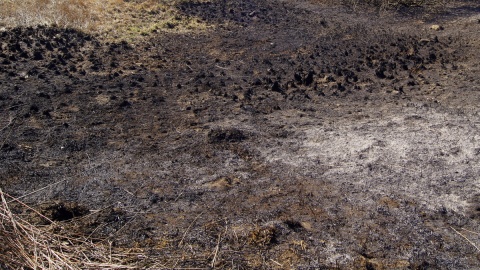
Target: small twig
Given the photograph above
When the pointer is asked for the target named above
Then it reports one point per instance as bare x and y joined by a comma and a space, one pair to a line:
277, 263
178, 197
133, 195
222, 67
10, 122
7, 210
188, 228
110, 251
28, 207
471, 231
217, 248
38, 190
111, 266
473, 244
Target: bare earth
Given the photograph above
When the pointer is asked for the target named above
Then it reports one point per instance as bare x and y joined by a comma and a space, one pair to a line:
289, 135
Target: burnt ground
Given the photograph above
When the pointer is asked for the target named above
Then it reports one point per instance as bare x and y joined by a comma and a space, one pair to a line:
290, 135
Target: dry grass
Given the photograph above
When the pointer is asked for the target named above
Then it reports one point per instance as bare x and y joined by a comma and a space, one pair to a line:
132, 19
83, 14
27, 246
117, 19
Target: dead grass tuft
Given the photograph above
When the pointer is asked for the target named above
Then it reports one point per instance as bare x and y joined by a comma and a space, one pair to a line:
27, 246
113, 19
262, 236
81, 14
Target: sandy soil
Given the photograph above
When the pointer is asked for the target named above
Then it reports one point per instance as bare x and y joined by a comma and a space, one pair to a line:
287, 135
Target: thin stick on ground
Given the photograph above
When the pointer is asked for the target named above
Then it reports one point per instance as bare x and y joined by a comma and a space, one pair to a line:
217, 247
188, 229
13, 199
471, 231
10, 122
38, 190
466, 238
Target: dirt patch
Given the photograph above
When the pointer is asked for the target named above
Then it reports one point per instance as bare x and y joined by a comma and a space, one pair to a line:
288, 135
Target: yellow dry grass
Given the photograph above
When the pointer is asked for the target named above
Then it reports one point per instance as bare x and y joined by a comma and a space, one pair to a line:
112, 19
27, 246
82, 14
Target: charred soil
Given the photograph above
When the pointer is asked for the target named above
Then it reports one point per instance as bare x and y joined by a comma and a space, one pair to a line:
289, 134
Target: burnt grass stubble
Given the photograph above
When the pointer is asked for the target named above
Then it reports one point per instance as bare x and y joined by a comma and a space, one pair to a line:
205, 149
